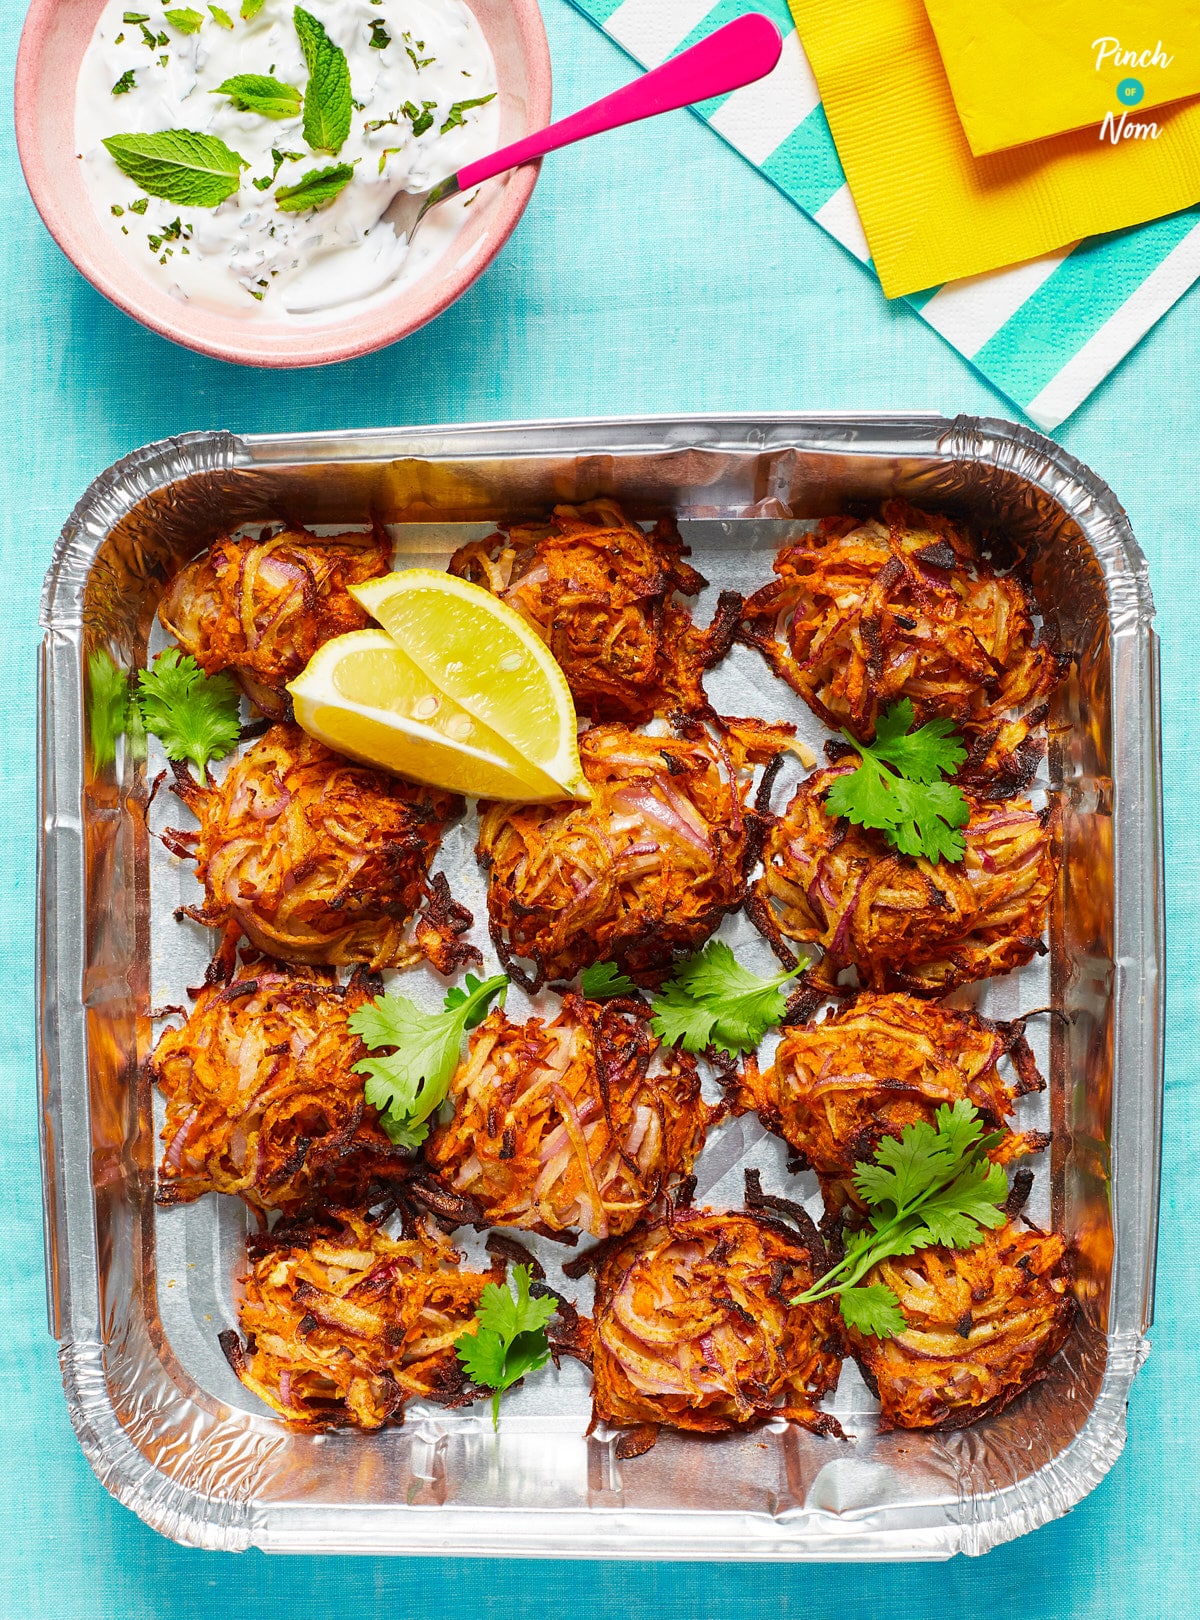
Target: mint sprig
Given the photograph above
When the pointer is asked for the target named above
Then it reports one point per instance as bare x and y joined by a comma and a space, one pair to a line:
258, 93
328, 101
314, 189
181, 165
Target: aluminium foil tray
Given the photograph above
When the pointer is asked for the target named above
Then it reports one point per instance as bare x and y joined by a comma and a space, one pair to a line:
137, 1294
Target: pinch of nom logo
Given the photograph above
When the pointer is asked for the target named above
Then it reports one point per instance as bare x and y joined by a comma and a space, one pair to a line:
1118, 127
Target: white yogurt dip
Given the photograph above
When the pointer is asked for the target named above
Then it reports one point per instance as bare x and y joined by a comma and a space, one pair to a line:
247, 256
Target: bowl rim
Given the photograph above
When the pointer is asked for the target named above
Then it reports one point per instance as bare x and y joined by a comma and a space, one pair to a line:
352, 337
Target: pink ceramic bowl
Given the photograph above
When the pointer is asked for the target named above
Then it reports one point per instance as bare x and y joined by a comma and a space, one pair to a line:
57, 33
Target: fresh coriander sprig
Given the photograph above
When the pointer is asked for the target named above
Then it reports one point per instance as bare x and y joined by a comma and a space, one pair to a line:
194, 715
604, 980
898, 787
510, 1338
712, 1000
934, 1185
410, 1083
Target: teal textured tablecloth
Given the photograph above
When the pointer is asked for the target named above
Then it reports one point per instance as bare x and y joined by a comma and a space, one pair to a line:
652, 272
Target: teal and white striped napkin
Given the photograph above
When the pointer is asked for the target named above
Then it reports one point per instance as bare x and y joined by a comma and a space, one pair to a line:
1045, 333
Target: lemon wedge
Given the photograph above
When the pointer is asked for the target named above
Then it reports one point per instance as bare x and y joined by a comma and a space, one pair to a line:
478, 652
362, 695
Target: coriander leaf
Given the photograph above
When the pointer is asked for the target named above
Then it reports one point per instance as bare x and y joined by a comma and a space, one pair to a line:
328, 99
897, 788
927, 818
108, 706
931, 1185
922, 756
380, 38
222, 17
873, 1310
257, 93
181, 165
455, 118
194, 716
712, 1000
251, 9
510, 1338
314, 189
482, 1356
604, 979
476, 1005
124, 84
185, 20
407, 1085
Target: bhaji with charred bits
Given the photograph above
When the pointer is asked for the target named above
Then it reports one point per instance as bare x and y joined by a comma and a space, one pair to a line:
601, 593
261, 608
694, 1329
983, 1325
316, 859
863, 613
648, 868
576, 1124
906, 923
343, 1324
837, 1086
262, 1098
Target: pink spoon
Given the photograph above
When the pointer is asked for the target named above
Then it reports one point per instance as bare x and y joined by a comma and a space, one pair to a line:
737, 54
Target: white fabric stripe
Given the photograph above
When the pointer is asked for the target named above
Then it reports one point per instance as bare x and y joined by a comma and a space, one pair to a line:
1125, 327
652, 29
968, 312
840, 218
760, 117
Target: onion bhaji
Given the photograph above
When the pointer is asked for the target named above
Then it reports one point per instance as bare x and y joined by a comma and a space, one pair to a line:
904, 922
579, 1124
983, 1325
262, 1098
344, 1324
837, 1087
600, 592
261, 608
693, 1328
319, 860
862, 614
647, 868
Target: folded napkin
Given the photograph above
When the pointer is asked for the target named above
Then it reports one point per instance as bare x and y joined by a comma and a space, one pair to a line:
1021, 70
1044, 333
932, 211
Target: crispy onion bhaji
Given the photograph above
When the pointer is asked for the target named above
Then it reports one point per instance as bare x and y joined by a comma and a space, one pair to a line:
261, 608
576, 1124
648, 868
601, 593
838, 1086
262, 1098
693, 1328
319, 860
343, 1324
983, 1325
906, 923
862, 614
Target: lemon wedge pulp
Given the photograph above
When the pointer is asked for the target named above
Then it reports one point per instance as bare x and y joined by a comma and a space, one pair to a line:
480, 654
363, 696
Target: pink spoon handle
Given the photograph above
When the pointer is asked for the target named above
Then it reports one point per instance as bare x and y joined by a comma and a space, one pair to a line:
735, 55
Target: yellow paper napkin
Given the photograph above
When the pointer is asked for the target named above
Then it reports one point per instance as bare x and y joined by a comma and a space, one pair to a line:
1021, 70
932, 211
